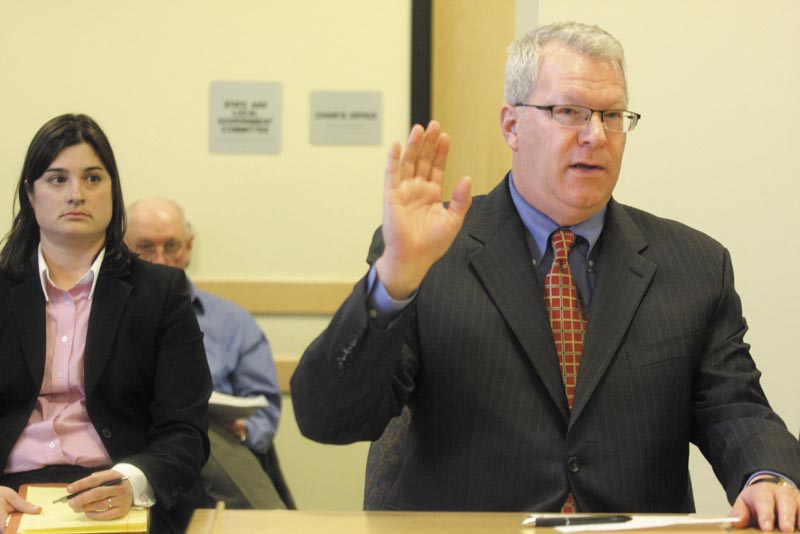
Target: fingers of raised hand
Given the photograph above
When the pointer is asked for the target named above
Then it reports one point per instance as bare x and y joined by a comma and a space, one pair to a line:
393, 166
421, 151
408, 161
428, 151
440, 159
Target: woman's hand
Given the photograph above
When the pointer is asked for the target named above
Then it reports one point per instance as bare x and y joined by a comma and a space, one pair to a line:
101, 502
10, 501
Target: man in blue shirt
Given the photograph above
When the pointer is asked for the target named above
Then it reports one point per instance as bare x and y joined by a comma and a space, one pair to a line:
239, 357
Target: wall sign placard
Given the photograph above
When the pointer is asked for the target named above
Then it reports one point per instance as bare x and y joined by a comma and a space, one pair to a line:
245, 117
345, 117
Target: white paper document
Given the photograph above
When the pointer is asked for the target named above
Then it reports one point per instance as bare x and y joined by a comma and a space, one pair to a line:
226, 408
637, 522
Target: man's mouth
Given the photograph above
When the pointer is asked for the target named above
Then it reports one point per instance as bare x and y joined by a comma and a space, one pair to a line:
586, 167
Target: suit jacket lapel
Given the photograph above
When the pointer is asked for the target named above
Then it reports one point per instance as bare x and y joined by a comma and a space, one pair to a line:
504, 265
109, 300
622, 280
29, 309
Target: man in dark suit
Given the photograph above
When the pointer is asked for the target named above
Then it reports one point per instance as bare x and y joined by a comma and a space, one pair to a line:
454, 320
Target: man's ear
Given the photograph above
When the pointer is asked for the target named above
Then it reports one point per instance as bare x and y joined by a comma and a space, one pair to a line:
508, 124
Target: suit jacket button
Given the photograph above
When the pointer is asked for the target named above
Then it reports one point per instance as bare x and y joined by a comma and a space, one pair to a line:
106, 433
573, 464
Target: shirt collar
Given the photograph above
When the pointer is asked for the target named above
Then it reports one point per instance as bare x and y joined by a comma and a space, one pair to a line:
90, 276
197, 298
540, 226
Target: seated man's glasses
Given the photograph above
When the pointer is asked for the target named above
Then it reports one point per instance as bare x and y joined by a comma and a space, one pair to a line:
147, 250
614, 120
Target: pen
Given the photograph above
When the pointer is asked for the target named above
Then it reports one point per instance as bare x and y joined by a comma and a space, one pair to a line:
113, 482
564, 521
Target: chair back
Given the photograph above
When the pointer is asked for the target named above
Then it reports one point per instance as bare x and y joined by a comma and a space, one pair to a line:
384, 461
271, 465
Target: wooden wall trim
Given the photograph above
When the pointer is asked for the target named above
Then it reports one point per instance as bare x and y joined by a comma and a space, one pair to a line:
270, 297
284, 368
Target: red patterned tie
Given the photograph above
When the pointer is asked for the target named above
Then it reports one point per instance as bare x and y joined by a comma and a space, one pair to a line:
567, 319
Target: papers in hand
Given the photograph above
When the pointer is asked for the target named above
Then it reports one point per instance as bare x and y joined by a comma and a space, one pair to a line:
226, 408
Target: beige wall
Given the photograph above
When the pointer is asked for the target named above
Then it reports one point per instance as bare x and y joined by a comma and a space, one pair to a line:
143, 68
715, 80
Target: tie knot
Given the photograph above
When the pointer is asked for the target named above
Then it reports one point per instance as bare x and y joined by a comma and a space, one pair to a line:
562, 241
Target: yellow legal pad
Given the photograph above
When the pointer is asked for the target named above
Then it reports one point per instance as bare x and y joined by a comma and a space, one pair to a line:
59, 517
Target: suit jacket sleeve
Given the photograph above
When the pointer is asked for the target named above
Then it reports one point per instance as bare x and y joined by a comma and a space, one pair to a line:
354, 377
733, 424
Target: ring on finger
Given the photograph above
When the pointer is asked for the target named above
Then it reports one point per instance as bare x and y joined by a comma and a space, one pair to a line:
110, 506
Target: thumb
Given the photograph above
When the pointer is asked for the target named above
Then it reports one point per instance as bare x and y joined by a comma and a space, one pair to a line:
461, 200
741, 511
21, 505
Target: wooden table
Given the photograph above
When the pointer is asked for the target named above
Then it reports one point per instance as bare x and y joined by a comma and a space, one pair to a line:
305, 522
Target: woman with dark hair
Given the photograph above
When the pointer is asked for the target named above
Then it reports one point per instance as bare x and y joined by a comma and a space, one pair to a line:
104, 375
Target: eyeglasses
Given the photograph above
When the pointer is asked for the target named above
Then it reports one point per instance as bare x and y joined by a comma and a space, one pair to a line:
148, 251
614, 120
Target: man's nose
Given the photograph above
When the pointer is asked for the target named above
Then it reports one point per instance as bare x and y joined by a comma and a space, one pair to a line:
158, 255
594, 132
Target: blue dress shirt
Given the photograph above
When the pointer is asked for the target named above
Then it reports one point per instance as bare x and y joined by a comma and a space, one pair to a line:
582, 256
240, 360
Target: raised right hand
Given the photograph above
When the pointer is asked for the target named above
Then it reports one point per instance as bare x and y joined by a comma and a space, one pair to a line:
10, 501
417, 228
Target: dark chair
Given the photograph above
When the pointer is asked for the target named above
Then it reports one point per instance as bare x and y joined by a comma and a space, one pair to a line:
384, 461
272, 467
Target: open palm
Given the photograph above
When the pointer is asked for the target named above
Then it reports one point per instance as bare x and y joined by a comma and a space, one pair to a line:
417, 227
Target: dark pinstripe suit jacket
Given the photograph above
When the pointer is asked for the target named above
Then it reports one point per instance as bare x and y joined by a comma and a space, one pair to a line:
664, 364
